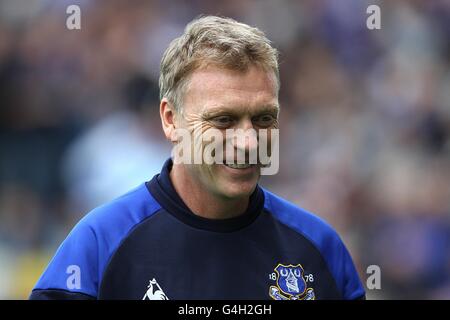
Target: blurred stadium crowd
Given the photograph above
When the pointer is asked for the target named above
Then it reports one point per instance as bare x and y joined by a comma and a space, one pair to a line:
365, 124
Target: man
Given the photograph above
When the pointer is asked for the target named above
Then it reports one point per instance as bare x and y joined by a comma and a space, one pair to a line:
206, 230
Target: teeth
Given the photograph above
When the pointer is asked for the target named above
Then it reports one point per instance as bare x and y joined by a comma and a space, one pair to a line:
238, 166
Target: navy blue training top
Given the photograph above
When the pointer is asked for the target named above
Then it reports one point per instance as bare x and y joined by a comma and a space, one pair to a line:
147, 244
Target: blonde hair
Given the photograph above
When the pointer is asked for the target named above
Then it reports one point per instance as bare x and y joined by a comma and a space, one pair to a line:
213, 40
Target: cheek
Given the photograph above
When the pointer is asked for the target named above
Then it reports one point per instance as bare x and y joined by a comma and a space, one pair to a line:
210, 141
201, 133
198, 128
212, 176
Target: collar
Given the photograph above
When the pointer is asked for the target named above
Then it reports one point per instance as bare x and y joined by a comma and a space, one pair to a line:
163, 191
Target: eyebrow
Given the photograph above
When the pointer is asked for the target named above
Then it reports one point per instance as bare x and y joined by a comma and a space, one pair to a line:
221, 109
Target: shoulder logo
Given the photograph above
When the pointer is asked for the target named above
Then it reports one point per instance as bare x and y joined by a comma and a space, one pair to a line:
290, 284
154, 292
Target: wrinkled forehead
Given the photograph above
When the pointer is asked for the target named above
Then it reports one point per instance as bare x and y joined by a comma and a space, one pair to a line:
216, 87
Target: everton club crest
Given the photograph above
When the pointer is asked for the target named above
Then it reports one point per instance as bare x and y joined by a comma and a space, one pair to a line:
290, 284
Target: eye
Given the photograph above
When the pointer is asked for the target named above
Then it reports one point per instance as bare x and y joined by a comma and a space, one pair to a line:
264, 120
222, 121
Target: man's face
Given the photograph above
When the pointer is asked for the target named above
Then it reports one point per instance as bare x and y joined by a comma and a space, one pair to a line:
223, 99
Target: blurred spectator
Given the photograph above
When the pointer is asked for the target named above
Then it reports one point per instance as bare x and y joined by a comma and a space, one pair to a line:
119, 152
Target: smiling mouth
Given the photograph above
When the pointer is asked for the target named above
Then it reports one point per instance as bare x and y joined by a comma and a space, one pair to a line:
239, 166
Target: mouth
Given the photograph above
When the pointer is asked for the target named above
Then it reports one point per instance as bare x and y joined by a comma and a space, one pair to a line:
244, 172
239, 166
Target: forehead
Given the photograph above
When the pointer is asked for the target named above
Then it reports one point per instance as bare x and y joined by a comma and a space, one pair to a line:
214, 87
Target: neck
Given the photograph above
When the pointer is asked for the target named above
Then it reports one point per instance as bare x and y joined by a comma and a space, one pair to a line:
201, 201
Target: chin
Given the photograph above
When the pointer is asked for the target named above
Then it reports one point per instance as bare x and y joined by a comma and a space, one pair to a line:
238, 189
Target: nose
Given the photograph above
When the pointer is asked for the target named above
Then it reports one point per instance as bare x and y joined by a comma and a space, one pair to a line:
249, 141
246, 140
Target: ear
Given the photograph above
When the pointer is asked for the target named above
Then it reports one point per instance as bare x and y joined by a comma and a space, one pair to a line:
167, 114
